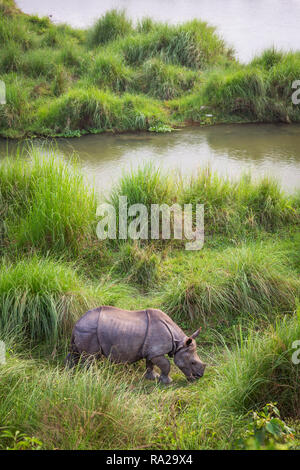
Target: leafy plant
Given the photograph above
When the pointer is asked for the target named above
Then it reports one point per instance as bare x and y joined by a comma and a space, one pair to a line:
267, 431
20, 441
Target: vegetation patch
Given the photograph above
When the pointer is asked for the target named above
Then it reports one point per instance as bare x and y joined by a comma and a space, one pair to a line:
46, 204
121, 77
219, 288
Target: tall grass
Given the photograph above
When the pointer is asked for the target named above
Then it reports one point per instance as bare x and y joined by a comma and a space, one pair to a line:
219, 289
16, 112
79, 410
256, 371
110, 26
39, 62
46, 204
193, 45
41, 299
110, 72
145, 185
48, 213
188, 65
261, 370
164, 81
140, 266
97, 110
236, 206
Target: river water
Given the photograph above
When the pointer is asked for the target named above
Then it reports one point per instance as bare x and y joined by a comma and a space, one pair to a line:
265, 149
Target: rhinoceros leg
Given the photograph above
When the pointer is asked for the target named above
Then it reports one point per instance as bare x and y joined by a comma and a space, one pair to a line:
164, 365
150, 373
72, 360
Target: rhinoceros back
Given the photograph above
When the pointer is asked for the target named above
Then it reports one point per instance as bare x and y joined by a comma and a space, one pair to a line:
121, 333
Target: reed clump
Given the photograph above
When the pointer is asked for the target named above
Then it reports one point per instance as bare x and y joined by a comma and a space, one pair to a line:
46, 204
220, 288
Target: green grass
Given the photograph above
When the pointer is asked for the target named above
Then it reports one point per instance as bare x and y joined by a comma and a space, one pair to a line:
235, 206
82, 410
194, 45
112, 25
256, 371
109, 71
220, 288
164, 81
40, 299
140, 266
146, 185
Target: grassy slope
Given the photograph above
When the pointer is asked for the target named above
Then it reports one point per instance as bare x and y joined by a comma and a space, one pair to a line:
240, 288
120, 77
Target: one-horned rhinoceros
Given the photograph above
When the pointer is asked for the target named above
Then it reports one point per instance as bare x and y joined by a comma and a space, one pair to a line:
128, 336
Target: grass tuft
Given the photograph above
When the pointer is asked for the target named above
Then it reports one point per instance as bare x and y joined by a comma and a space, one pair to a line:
110, 26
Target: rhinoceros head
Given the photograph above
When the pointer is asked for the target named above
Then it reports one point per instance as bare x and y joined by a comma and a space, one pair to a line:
187, 359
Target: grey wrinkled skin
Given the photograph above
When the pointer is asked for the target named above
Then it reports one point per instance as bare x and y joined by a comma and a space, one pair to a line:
129, 336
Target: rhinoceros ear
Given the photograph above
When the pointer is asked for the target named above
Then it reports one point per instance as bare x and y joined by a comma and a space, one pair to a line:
194, 335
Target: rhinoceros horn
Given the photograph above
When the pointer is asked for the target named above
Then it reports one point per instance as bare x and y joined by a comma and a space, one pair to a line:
194, 335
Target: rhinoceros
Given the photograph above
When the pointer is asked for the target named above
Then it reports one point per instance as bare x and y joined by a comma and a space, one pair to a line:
129, 336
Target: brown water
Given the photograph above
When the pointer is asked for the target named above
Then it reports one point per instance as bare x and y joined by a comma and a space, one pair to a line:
248, 25
231, 150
